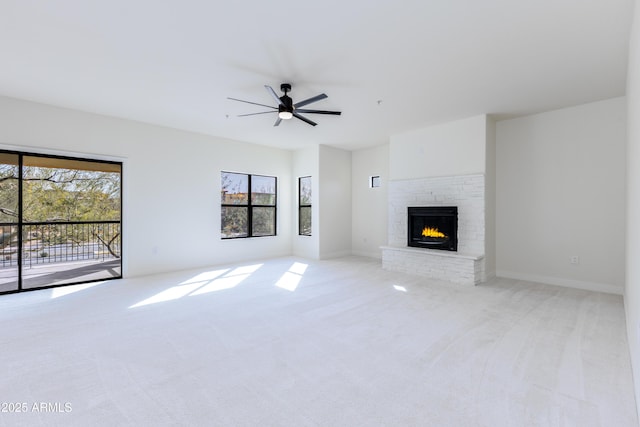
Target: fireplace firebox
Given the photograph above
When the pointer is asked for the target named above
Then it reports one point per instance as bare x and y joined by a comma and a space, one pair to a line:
433, 227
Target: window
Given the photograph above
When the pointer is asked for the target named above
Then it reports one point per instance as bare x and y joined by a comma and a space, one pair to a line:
248, 205
304, 206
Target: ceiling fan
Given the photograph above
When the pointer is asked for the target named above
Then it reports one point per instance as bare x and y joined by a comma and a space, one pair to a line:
286, 108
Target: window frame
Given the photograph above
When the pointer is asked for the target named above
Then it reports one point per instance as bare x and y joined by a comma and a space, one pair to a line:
250, 205
302, 206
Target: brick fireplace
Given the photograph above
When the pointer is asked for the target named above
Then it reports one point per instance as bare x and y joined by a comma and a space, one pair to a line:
465, 264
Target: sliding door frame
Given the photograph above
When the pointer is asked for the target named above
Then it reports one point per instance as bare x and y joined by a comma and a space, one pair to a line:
21, 223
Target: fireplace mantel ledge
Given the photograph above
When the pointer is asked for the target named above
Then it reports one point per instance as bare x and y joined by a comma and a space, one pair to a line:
446, 254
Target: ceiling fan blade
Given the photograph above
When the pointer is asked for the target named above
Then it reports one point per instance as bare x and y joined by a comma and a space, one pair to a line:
273, 93
253, 114
310, 100
277, 123
254, 103
335, 113
304, 119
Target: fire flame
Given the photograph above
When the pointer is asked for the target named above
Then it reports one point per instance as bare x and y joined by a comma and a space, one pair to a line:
432, 232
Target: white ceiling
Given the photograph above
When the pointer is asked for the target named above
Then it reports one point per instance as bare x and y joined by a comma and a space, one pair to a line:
175, 62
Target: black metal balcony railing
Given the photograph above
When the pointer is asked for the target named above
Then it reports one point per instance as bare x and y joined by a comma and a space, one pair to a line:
52, 242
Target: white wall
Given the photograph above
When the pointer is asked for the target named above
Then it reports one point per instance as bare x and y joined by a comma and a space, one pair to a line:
449, 149
369, 205
171, 182
306, 163
632, 286
334, 219
490, 199
561, 193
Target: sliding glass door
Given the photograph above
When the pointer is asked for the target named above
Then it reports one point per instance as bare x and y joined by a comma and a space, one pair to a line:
9, 221
62, 217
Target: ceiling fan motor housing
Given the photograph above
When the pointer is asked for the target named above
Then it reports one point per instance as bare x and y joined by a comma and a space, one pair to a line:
287, 102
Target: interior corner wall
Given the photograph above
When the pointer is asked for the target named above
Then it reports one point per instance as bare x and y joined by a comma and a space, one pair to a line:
334, 219
560, 193
369, 205
490, 199
171, 183
306, 163
632, 284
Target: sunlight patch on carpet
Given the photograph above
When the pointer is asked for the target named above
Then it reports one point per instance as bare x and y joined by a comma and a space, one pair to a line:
208, 281
291, 278
205, 277
66, 290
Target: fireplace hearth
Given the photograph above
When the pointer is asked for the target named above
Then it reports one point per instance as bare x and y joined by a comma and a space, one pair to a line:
433, 227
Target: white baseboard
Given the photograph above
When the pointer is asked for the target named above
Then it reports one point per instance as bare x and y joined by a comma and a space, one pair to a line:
567, 283
338, 254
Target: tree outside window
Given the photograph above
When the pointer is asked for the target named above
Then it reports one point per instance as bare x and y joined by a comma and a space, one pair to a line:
304, 206
248, 205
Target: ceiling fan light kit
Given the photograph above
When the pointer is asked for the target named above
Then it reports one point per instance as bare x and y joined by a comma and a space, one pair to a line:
286, 108
285, 115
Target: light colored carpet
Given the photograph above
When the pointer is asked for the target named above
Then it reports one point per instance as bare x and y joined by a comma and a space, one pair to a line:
292, 342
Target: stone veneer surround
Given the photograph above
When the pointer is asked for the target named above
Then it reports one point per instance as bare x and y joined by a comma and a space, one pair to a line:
466, 266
